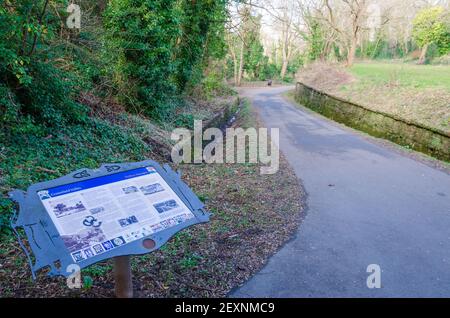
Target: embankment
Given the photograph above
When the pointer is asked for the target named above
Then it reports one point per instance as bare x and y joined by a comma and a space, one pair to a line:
413, 135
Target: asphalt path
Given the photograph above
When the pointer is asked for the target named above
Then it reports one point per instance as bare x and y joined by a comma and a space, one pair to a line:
366, 204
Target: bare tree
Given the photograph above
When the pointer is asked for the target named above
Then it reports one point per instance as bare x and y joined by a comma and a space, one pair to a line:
308, 22
239, 26
285, 16
287, 36
352, 19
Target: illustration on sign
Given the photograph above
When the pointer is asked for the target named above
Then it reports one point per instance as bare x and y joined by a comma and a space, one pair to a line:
92, 215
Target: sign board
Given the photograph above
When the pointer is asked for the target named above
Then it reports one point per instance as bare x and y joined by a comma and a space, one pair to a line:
92, 215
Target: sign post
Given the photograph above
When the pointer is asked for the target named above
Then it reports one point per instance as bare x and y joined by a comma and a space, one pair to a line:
115, 211
123, 277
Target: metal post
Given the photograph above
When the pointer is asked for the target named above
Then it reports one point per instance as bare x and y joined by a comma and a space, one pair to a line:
122, 273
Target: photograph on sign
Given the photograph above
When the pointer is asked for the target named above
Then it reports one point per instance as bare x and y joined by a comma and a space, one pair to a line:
100, 214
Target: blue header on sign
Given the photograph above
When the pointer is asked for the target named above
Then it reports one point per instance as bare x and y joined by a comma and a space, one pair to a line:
96, 182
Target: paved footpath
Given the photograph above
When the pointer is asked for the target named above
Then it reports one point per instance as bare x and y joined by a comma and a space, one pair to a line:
366, 204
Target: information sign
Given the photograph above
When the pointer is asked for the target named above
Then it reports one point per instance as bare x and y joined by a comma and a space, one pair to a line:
92, 215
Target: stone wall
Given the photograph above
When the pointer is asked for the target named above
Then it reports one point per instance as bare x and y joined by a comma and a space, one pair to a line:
413, 135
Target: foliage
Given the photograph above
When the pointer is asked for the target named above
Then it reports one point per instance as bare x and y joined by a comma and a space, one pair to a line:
6, 208
255, 61
32, 85
432, 25
202, 37
143, 35
213, 85
88, 282
270, 71
254, 57
160, 46
382, 48
144, 52
315, 40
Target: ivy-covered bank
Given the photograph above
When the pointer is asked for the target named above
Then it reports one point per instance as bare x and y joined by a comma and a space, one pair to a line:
144, 54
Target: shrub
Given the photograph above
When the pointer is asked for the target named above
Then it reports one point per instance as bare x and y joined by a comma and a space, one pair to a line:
32, 85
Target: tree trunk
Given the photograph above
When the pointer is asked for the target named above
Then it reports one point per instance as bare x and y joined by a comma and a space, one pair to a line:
284, 68
374, 52
235, 67
231, 46
326, 51
285, 53
224, 72
241, 65
405, 47
351, 53
423, 54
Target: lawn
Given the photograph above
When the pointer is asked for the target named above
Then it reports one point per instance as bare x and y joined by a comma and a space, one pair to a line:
417, 93
417, 76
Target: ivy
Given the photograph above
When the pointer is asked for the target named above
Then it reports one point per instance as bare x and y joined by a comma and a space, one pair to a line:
159, 47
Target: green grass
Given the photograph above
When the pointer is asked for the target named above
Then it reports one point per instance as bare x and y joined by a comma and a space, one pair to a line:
417, 93
419, 76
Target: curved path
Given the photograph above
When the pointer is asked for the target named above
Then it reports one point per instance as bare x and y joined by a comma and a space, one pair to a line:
366, 204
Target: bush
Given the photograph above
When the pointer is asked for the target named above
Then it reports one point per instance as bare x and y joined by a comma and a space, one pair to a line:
157, 47
142, 35
32, 86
